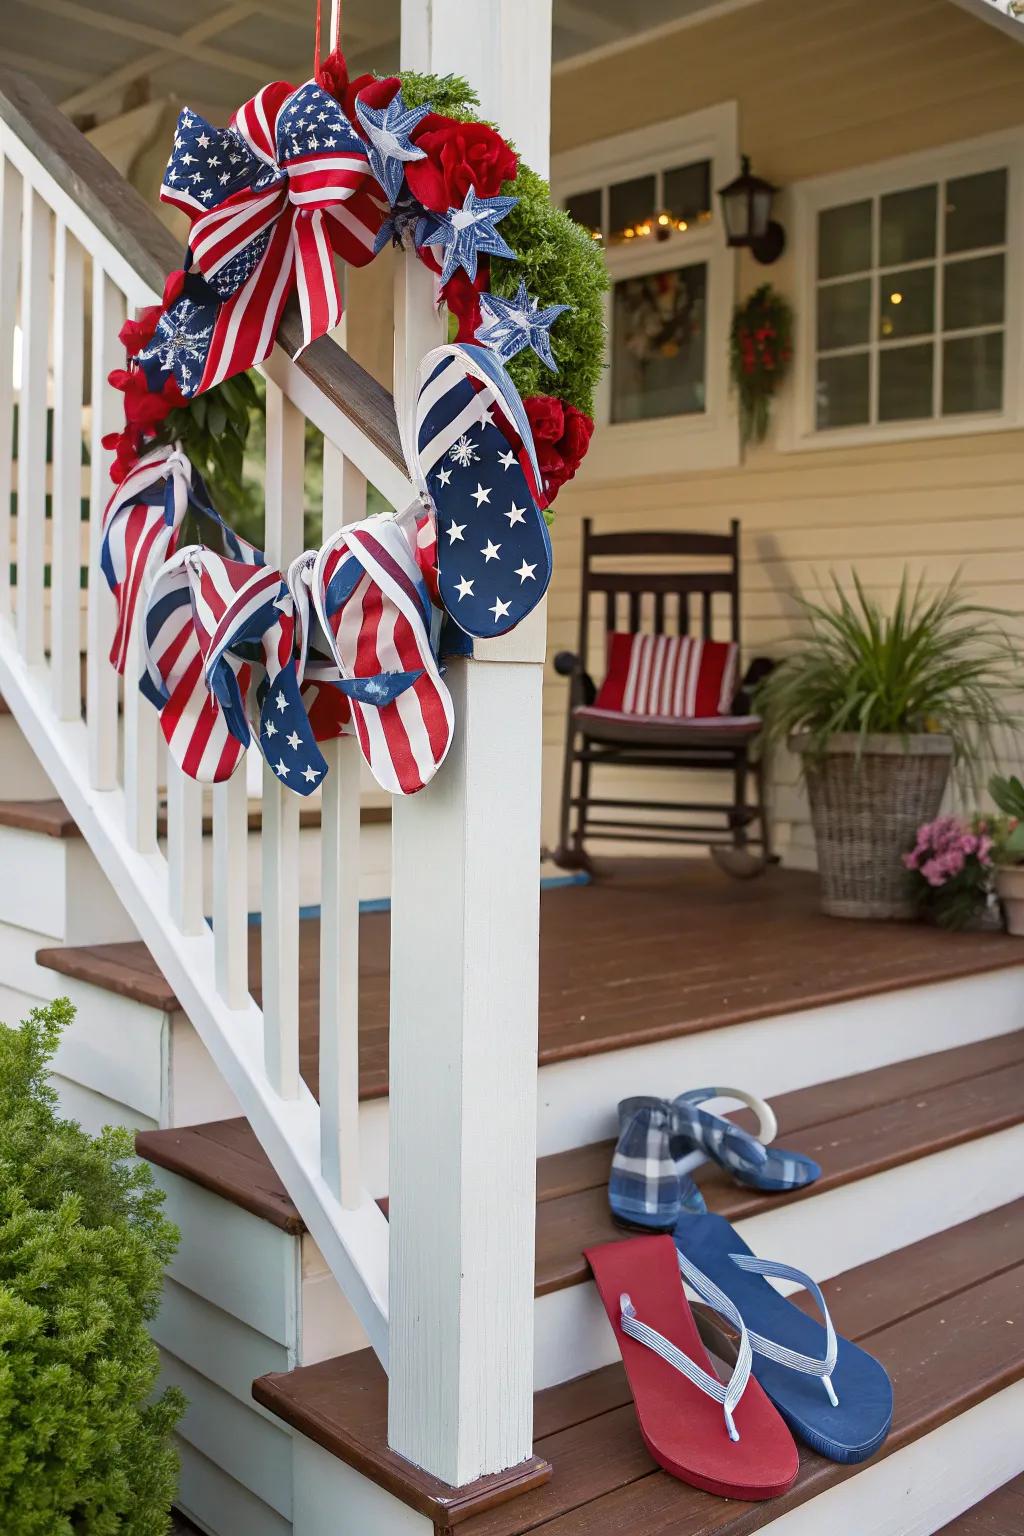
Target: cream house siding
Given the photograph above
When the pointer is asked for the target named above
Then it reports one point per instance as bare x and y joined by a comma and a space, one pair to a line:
820, 87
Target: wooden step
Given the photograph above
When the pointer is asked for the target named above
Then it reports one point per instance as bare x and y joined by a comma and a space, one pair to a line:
51, 818
651, 955
854, 1127
945, 1317
1001, 1514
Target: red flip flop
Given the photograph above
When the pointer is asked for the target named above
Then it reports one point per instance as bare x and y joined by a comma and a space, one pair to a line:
725, 1438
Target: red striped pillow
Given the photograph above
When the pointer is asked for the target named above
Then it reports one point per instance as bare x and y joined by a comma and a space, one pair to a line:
674, 676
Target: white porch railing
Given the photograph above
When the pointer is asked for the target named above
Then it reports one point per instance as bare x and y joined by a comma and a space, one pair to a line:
78, 251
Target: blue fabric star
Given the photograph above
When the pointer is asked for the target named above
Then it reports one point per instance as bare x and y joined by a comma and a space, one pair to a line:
467, 232
512, 324
390, 148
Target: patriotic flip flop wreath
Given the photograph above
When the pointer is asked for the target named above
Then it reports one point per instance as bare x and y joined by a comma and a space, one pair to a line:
342, 167
350, 166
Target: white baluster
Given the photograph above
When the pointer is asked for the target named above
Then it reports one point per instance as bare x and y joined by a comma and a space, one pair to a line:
231, 889
344, 502
185, 849
280, 839
35, 351
464, 943
107, 416
66, 500
141, 733
10, 267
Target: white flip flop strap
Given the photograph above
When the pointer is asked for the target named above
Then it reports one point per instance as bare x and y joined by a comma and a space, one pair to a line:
792, 1358
728, 1394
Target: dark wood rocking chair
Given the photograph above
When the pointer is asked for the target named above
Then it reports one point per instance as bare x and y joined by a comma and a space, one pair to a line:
665, 601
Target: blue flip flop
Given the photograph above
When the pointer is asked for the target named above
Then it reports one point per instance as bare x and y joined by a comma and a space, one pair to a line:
662, 1141
833, 1395
493, 547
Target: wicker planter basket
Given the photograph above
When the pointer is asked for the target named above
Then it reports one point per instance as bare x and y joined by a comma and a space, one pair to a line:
865, 813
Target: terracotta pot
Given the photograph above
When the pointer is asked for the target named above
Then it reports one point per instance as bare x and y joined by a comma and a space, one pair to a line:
1010, 890
868, 798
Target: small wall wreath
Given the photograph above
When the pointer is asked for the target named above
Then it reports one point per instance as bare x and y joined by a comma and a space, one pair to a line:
517, 274
760, 351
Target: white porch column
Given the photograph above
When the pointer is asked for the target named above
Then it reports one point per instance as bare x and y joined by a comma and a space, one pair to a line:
465, 899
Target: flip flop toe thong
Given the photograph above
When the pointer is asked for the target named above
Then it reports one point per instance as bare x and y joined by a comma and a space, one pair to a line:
723, 1437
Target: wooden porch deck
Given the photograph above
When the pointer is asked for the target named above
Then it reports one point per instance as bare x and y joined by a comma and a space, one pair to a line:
653, 950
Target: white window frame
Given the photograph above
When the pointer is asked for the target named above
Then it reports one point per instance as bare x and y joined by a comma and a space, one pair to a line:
669, 444
807, 198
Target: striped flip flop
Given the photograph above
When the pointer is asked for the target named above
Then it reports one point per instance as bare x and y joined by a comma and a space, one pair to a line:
373, 606
472, 441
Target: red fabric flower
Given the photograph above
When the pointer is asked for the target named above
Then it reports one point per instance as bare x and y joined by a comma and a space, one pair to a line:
462, 295
127, 446
458, 156
144, 407
332, 77
561, 435
173, 286
137, 333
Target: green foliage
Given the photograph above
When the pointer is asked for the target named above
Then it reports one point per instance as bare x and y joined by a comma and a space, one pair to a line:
1008, 795
214, 430
760, 351
936, 663
560, 264
84, 1444
556, 257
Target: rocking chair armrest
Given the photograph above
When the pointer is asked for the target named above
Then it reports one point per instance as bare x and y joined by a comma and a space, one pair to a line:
568, 664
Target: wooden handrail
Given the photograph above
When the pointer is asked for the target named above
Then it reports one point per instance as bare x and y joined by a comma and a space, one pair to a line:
126, 220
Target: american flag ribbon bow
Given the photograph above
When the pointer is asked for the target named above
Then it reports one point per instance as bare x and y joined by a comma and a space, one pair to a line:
219, 651
271, 198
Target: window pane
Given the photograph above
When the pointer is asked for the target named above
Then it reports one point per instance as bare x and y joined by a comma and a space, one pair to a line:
658, 344
974, 292
842, 395
585, 208
905, 383
907, 231
687, 191
844, 240
630, 203
972, 374
844, 314
906, 303
976, 211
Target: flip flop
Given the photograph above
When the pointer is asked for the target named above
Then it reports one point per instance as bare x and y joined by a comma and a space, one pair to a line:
661, 1142
374, 609
316, 670
833, 1395
727, 1439
494, 552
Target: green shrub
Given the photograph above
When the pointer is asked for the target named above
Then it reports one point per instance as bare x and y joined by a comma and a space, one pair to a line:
84, 1446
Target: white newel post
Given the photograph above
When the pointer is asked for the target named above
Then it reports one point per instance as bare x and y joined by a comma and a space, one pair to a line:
465, 907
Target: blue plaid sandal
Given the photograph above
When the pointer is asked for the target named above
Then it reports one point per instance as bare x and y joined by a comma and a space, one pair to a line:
833, 1395
662, 1141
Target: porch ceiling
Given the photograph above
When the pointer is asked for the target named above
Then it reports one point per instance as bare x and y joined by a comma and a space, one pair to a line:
98, 58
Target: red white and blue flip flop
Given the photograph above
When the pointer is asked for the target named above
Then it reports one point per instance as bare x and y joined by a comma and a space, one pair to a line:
472, 442
723, 1437
374, 608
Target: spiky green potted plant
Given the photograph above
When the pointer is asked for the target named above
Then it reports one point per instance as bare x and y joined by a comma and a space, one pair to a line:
1008, 795
881, 706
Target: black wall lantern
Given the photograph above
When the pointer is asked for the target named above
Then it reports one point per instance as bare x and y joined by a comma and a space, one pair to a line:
747, 210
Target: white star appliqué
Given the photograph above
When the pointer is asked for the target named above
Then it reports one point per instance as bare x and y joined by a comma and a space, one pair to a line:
463, 452
490, 551
455, 531
293, 740
506, 460
444, 477
515, 515
499, 609
526, 572
271, 728
464, 588
281, 769
310, 774
280, 701
481, 494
